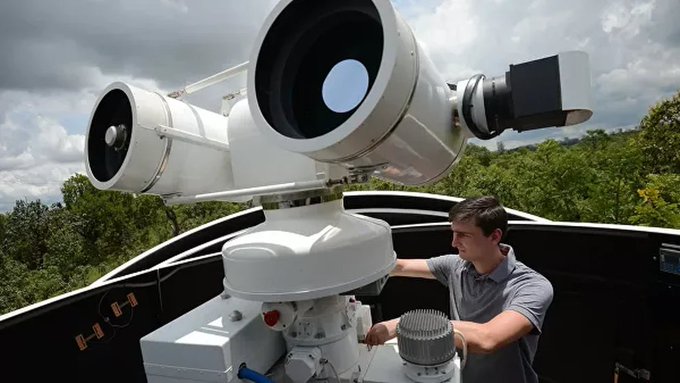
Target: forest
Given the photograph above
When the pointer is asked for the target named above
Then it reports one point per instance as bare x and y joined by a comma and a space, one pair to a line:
626, 177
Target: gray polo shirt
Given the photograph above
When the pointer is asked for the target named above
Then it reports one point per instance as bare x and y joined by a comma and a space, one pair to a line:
479, 298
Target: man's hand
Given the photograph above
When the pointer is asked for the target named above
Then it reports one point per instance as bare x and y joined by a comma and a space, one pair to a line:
382, 332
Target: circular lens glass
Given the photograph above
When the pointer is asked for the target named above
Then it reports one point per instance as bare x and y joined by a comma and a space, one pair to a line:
345, 86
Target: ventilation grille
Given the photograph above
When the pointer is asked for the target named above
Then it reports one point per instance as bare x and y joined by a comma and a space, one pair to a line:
425, 337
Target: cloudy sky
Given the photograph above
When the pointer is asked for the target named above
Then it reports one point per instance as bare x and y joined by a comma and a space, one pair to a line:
56, 56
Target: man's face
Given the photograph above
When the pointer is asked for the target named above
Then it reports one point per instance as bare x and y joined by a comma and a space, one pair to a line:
471, 242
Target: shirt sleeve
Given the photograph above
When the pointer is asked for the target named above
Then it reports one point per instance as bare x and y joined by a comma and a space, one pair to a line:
532, 300
443, 266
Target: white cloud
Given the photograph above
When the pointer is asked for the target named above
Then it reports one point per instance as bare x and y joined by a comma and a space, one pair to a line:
179, 6
657, 70
42, 181
36, 154
627, 17
53, 144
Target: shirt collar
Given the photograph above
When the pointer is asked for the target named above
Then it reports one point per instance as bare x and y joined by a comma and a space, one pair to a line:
503, 270
506, 267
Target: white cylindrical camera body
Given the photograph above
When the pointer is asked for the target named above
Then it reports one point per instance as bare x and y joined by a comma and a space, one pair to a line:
151, 160
403, 127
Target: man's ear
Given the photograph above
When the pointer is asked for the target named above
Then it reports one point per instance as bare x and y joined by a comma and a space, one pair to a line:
496, 236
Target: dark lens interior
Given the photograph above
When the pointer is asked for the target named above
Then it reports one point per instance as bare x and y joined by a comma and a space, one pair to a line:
305, 42
113, 110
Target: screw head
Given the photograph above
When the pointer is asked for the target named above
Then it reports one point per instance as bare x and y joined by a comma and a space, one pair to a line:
235, 316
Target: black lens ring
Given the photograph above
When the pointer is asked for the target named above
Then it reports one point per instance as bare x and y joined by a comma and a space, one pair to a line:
467, 108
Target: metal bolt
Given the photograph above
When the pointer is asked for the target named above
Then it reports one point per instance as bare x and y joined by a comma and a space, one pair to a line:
235, 316
115, 136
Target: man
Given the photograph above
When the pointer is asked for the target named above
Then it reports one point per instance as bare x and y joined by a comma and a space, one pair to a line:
498, 303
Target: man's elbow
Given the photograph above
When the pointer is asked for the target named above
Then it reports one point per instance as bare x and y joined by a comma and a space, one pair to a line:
491, 341
484, 342
397, 270
488, 345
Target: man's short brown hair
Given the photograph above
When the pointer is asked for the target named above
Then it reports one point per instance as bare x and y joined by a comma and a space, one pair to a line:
485, 212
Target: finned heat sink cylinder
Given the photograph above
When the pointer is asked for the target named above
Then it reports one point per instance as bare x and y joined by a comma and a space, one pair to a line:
425, 337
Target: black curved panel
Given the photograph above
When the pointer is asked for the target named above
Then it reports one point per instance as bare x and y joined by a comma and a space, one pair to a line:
414, 201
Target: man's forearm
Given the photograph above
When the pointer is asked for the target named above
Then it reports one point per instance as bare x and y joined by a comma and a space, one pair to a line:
416, 268
476, 336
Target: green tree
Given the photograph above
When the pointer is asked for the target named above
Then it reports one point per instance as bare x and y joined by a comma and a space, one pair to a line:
463, 180
506, 177
555, 181
659, 137
616, 166
65, 245
595, 140
110, 223
12, 284
26, 231
3, 222
660, 202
